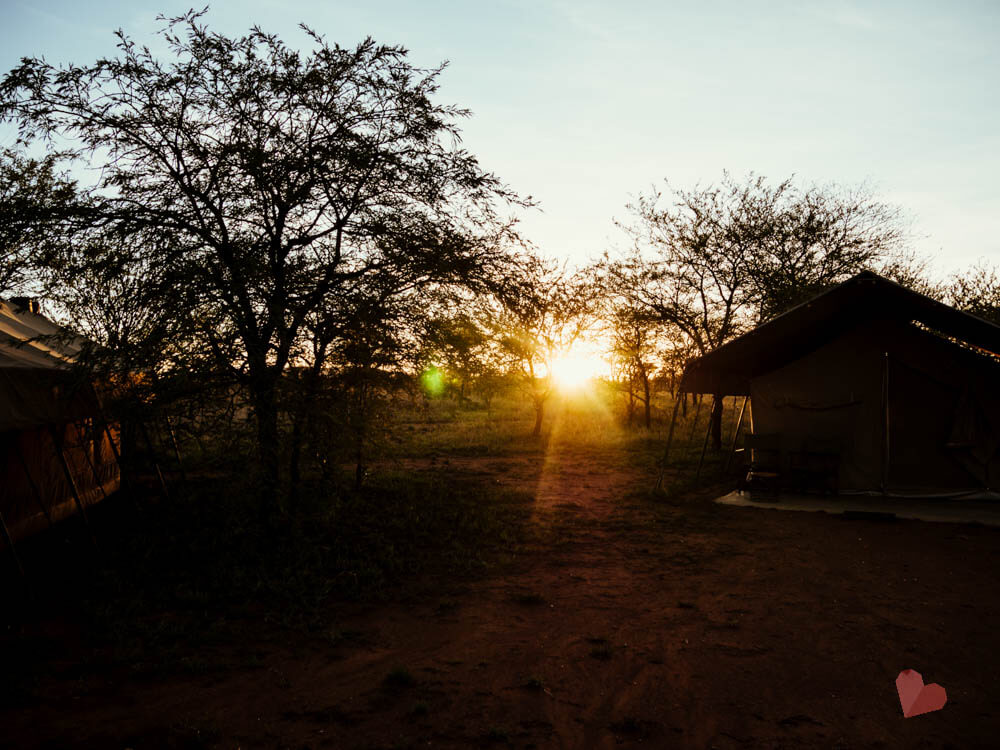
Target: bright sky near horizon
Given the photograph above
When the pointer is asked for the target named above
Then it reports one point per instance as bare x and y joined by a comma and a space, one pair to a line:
584, 104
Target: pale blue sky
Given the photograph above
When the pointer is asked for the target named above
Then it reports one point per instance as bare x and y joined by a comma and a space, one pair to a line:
583, 104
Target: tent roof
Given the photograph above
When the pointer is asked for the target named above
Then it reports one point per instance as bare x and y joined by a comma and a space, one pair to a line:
30, 340
866, 297
36, 385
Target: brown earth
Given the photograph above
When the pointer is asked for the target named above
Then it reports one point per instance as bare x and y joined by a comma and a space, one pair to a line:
626, 622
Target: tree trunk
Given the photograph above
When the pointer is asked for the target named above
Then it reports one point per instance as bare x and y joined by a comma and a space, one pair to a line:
648, 405
266, 411
302, 413
360, 433
717, 422
539, 411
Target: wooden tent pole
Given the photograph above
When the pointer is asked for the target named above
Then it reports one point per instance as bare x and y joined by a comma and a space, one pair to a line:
114, 448
704, 449
61, 455
152, 457
126, 480
90, 462
670, 439
736, 434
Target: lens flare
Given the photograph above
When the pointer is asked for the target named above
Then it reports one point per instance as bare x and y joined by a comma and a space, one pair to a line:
576, 369
433, 381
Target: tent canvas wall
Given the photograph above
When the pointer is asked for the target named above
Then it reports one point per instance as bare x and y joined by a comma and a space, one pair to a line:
52, 440
880, 372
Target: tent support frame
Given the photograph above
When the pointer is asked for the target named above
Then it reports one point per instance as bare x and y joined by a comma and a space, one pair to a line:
704, 449
670, 439
93, 467
736, 433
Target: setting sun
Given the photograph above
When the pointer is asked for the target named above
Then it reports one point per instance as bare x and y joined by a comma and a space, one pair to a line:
576, 368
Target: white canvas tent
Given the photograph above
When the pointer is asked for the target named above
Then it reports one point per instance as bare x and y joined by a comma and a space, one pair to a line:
56, 454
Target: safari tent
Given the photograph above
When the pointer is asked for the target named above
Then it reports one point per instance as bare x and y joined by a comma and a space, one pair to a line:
56, 454
899, 391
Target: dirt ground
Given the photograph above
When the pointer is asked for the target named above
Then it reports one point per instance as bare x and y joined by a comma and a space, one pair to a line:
625, 623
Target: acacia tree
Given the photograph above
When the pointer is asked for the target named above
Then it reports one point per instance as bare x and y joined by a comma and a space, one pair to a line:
39, 208
542, 312
635, 337
281, 177
719, 260
976, 290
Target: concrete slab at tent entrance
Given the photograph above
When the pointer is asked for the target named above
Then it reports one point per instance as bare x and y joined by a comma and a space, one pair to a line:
948, 510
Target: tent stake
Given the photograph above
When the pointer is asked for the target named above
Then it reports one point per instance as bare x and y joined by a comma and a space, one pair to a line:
670, 439
736, 434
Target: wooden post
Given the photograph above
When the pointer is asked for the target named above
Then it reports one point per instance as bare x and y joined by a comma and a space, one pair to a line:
736, 433
670, 439
90, 462
68, 472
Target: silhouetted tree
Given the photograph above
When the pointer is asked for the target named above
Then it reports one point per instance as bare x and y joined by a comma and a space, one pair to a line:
40, 207
718, 260
280, 178
976, 290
